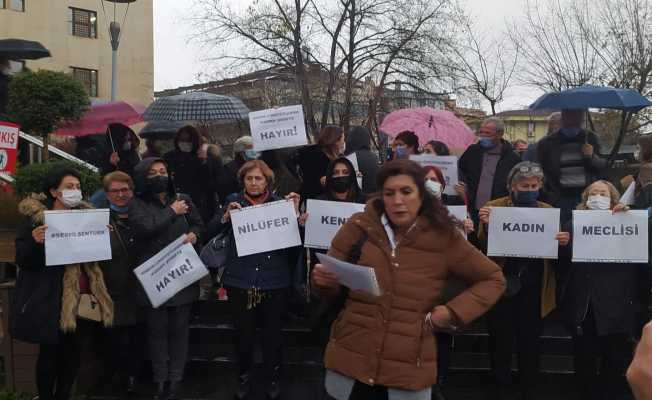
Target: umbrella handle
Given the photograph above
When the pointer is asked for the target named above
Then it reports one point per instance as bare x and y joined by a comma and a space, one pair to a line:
111, 138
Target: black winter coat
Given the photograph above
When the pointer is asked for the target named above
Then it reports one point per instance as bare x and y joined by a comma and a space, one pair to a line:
608, 289
470, 167
37, 298
312, 163
358, 141
155, 225
119, 277
186, 169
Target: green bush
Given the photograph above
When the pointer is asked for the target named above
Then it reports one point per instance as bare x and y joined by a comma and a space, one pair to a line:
31, 178
7, 395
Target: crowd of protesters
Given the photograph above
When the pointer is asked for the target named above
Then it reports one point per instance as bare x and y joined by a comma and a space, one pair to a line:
395, 346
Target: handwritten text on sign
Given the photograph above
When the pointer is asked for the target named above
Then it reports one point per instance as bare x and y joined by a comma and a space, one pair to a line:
266, 227
447, 165
171, 270
324, 220
277, 128
600, 236
523, 232
75, 236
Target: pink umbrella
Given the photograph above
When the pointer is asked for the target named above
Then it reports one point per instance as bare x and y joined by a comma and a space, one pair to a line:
100, 115
429, 124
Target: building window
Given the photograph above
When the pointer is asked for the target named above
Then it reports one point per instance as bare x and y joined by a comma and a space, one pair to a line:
3, 4
88, 77
17, 5
83, 23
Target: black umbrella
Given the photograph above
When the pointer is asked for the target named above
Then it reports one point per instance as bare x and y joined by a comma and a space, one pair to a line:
161, 129
19, 49
197, 106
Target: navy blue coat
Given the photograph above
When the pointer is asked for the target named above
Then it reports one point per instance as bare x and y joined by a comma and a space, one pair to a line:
266, 271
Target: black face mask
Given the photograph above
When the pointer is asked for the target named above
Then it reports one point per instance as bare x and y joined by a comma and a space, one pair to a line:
157, 184
341, 184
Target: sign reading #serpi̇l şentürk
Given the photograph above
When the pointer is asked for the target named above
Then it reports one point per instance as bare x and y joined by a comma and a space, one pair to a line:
277, 128
76, 236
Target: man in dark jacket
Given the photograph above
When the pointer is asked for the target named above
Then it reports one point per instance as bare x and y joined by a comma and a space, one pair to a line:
158, 216
185, 165
484, 166
570, 161
243, 151
358, 141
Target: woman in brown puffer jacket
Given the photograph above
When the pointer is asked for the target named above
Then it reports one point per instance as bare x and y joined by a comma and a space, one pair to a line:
382, 346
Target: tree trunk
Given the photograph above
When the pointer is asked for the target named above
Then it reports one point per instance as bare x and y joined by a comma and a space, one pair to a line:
350, 65
625, 120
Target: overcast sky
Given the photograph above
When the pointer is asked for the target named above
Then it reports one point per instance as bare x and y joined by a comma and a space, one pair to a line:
177, 59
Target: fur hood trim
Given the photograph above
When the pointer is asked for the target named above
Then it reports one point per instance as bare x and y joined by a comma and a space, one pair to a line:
71, 295
34, 207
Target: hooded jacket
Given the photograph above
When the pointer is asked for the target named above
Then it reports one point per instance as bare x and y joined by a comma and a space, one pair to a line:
187, 168
46, 297
311, 162
382, 340
155, 225
128, 158
358, 141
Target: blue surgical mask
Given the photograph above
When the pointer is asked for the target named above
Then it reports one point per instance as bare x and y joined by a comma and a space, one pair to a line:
526, 199
251, 154
486, 143
570, 132
119, 209
402, 153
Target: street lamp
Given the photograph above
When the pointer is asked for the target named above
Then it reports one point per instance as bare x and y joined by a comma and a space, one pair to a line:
114, 33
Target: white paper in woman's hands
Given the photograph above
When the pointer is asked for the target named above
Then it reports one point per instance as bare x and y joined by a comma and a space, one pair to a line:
355, 277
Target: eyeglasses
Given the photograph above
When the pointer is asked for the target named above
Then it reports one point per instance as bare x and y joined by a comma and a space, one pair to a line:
119, 191
534, 169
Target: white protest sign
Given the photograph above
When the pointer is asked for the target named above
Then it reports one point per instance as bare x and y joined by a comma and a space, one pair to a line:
354, 160
629, 196
277, 128
523, 232
76, 236
265, 227
171, 270
447, 165
600, 236
325, 219
460, 213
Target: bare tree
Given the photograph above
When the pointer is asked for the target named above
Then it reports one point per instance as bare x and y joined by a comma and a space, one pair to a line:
483, 67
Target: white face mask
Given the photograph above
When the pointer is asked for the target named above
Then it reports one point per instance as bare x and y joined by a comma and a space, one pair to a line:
186, 147
598, 203
434, 188
71, 198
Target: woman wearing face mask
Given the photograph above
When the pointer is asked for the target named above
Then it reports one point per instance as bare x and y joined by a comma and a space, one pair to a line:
382, 347
158, 216
529, 297
598, 302
310, 162
404, 145
124, 155
47, 297
185, 166
257, 285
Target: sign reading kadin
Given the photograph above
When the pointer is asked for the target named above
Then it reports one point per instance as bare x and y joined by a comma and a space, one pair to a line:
9, 134
277, 128
523, 232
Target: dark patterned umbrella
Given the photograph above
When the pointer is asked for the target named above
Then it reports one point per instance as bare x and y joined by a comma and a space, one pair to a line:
161, 129
19, 49
197, 106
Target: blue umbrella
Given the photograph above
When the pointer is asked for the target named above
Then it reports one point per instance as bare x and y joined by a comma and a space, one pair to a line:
588, 96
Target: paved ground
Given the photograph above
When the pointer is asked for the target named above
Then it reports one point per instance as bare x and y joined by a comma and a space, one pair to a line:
305, 383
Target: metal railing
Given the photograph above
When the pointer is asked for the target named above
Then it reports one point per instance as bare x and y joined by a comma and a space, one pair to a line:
58, 152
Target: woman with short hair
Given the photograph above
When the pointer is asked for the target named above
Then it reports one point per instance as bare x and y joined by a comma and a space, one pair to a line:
404, 145
46, 300
383, 347
257, 285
